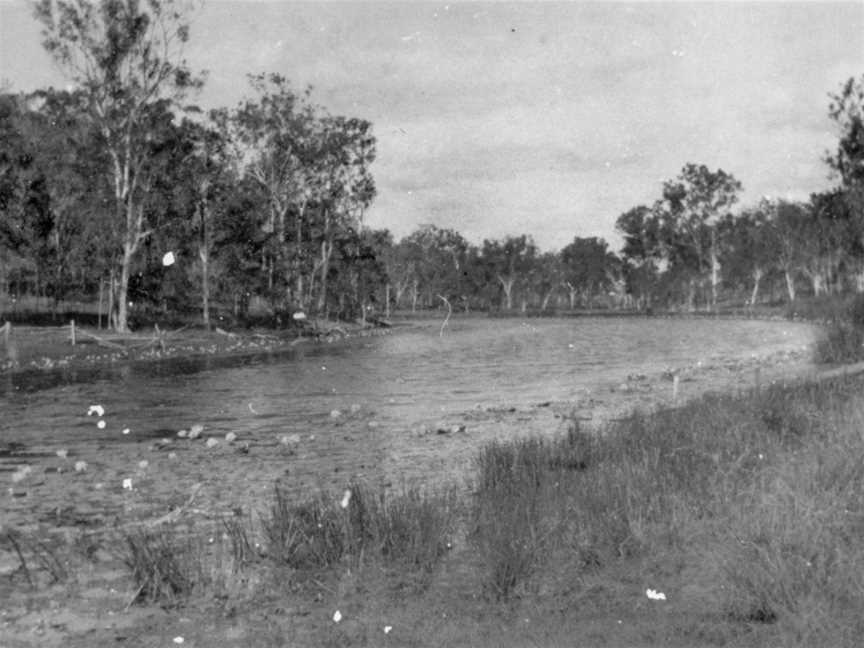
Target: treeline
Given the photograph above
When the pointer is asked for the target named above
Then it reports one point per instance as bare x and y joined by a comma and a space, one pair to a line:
118, 188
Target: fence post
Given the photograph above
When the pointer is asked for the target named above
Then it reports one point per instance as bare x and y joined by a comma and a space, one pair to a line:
72, 328
675, 390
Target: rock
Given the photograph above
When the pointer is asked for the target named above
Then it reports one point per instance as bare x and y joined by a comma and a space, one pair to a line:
182, 434
195, 431
230, 437
80, 466
335, 413
62, 453
142, 465
21, 474
212, 443
355, 407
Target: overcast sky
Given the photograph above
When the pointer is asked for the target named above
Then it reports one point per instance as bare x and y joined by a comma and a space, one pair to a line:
543, 118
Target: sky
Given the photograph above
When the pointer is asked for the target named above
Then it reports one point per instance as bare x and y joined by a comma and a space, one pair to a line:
549, 119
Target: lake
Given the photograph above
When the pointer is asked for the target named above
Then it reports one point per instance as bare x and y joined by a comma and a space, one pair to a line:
366, 409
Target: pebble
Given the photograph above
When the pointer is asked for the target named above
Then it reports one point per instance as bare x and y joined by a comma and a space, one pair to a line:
212, 443
195, 431
335, 413
230, 437
80, 466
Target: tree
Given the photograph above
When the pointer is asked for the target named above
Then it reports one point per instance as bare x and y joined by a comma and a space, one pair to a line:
126, 58
641, 253
691, 205
748, 246
589, 267
510, 261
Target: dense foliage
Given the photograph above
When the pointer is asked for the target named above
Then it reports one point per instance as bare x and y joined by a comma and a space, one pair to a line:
262, 204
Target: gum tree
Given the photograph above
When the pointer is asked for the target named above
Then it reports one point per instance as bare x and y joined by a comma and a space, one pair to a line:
126, 57
691, 206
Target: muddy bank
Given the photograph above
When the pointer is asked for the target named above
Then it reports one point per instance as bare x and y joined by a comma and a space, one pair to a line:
47, 349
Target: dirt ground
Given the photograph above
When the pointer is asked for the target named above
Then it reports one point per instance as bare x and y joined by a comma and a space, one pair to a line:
69, 523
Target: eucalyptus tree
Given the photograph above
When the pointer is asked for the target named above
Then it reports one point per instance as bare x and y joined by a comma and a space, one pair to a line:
589, 267
546, 277
435, 263
276, 142
748, 247
691, 205
126, 57
642, 253
18, 175
509, 260
846, 110
197, 181
343, 186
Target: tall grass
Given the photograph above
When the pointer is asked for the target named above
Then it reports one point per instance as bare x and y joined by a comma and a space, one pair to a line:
772, 482
412, 530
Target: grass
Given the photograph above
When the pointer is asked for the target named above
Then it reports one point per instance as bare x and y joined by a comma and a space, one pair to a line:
411, 530
766, 488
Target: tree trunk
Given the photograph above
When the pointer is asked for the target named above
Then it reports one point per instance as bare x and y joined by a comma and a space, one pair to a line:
204, 255
790, 285
123, 288
546, 298
507, 285
757, 277
326, 251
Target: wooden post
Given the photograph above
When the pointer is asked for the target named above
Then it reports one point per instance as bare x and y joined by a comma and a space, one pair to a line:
675, 381
72, 329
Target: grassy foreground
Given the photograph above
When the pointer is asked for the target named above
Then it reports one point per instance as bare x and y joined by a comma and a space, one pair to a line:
732, 521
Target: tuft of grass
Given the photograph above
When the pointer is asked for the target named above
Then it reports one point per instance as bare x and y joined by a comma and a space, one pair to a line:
412, 529
44, 557
509, 520
167, 565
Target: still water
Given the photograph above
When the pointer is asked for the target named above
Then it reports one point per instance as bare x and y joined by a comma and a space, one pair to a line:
358, 406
